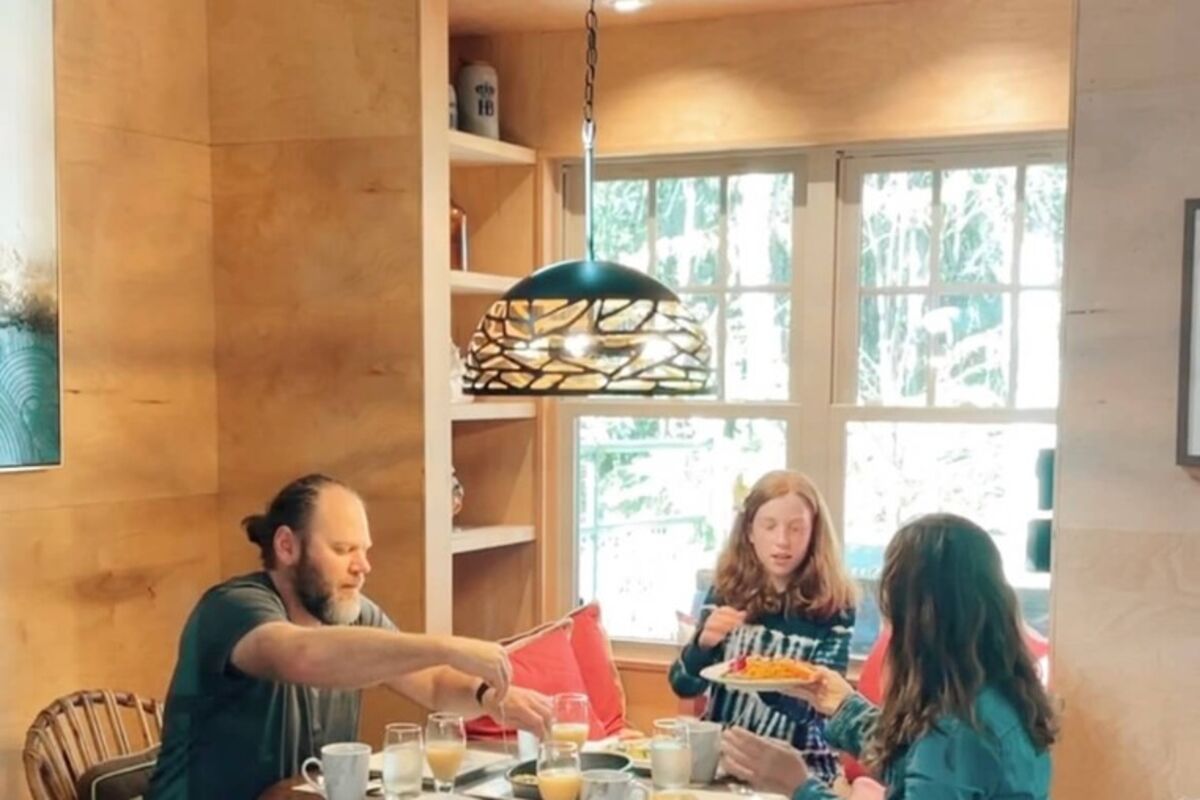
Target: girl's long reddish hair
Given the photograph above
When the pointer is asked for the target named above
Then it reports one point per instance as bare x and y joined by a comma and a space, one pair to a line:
820, 587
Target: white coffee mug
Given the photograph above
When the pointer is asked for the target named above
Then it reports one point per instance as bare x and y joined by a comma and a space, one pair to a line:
611, 784
527, 745
705, 740
344, 769
479, 100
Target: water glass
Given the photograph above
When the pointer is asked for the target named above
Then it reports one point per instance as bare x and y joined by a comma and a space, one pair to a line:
670, 754
403, 759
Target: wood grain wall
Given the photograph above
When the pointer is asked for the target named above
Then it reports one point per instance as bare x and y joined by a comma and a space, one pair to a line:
1126, 622
102, 559
317, 192
859, 73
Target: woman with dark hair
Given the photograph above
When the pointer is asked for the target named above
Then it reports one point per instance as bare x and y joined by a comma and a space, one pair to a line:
964, 716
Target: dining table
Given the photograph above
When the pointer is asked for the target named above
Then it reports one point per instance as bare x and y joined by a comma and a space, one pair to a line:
493, 785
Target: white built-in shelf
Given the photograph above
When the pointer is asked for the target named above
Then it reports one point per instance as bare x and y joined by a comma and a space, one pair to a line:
469, 150
482, 410
470, 540
480, 282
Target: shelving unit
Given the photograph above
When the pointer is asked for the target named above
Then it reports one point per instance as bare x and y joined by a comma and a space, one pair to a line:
469, 150
493, 543
487, 537
492, 410
483, 283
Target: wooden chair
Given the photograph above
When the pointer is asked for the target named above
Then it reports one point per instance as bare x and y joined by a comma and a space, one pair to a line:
76, 732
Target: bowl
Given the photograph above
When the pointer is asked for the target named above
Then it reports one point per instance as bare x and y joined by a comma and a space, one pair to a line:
587, 761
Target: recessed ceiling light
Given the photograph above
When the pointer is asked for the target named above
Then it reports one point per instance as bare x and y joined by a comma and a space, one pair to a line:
627, 6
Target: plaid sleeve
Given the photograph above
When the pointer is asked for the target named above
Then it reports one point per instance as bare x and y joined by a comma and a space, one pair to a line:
813, 789
684, 675
683, 682
848, 729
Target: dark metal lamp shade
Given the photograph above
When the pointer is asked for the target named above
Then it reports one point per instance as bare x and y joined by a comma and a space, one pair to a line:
585, 328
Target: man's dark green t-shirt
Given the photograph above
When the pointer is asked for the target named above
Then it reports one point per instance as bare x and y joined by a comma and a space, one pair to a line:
229, 736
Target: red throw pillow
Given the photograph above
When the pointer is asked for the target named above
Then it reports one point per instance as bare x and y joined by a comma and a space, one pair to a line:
544, 662
594, 654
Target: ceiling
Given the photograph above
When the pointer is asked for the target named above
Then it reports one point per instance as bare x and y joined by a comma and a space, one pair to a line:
495, 16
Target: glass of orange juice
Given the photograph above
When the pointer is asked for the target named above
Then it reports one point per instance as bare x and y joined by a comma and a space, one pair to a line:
558, 772
445, 746
570, 722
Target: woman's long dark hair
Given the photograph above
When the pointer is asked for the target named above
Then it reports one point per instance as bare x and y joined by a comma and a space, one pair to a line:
956, 628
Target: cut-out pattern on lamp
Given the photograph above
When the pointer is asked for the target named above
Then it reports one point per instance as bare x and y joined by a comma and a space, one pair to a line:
588, 327
540, 339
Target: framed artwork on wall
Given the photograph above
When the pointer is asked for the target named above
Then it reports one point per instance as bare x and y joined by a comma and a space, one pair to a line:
1187, 434
30, 408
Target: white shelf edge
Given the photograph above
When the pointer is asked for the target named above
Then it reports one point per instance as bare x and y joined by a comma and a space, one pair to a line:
484, 410
469, 150
480, 282
487, 537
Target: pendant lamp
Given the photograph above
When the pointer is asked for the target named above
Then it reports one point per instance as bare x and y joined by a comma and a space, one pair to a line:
588, 327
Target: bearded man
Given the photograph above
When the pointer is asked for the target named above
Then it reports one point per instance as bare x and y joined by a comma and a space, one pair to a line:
271, 664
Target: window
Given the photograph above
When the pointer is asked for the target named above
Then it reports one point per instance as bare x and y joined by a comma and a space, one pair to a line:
949, 351
654, 480
887, 324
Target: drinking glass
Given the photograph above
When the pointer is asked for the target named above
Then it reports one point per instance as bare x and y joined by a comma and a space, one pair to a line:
445, 746
570, 721
558, 771
670, 754
403, 758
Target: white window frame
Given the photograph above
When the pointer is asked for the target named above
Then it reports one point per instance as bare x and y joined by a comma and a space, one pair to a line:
1018, 151
824, 331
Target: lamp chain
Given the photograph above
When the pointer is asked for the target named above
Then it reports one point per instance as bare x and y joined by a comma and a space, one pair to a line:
589, 130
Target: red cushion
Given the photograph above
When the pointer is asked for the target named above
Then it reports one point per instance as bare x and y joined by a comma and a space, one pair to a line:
546, 663
594, 655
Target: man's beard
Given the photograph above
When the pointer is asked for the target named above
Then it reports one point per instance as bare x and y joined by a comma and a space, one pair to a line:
318, 598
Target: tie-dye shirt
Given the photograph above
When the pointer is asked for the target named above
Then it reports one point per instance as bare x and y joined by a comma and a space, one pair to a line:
778, 716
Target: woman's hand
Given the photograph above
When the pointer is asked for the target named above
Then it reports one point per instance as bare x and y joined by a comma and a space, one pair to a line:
826, 694
768, 765
718, 625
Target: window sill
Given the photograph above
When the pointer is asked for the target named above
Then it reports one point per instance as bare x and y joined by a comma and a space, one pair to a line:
644, 655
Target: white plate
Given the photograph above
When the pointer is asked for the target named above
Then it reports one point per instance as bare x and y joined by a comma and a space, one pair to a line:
618, 746
719, 673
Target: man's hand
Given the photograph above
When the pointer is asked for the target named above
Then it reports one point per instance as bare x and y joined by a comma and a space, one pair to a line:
524, 708
768, 765
486, 660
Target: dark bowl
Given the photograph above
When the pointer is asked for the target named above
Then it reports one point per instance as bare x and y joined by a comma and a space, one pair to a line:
586, 761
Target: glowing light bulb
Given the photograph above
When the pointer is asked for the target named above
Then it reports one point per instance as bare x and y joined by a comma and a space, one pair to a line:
578, 345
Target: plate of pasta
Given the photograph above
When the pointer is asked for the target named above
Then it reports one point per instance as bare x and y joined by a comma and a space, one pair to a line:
762, 673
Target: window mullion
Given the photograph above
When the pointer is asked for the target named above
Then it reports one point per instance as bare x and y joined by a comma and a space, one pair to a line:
1014, 355
652, 227
723, 283
935, 283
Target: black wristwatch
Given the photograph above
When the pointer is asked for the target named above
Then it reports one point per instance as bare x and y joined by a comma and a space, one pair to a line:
481, 691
